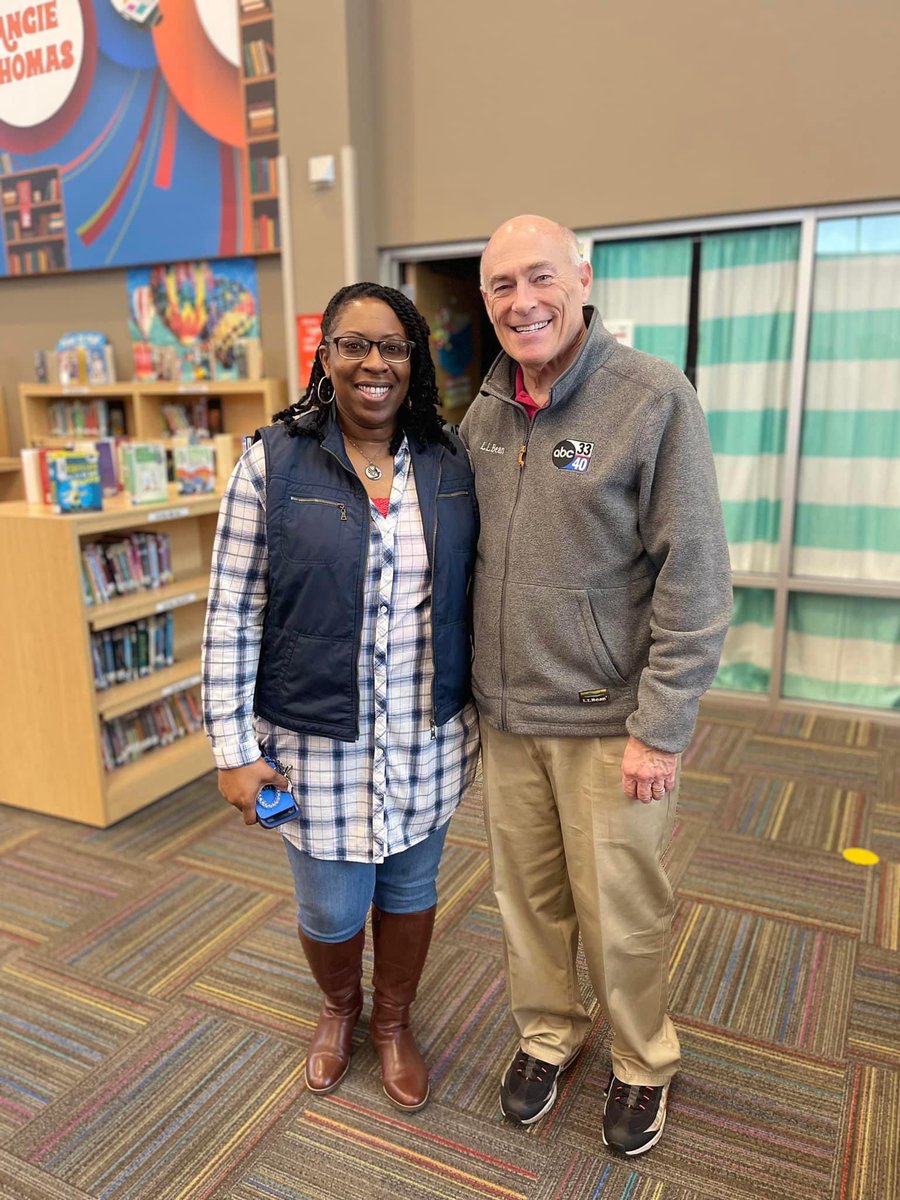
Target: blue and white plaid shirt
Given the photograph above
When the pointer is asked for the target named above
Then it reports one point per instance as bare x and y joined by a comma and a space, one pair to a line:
400, 780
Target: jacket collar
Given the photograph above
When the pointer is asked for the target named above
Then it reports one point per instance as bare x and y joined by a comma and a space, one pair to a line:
596, 348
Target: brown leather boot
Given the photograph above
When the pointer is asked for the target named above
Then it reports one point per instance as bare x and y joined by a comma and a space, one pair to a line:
401, 945
337, 969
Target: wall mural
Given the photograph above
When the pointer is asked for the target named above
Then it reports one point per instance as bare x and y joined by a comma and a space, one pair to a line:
135, 131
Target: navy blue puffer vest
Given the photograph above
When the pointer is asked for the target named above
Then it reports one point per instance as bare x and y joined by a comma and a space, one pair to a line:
317, 525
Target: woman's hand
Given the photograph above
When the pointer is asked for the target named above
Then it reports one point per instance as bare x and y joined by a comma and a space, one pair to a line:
241, 785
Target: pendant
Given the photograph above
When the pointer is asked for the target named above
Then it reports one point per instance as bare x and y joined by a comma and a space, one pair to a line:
373, 472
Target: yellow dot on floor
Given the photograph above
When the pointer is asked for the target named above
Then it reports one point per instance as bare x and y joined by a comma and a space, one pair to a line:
862, 858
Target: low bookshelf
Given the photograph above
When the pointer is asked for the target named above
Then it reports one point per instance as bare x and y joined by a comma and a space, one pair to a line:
54, 710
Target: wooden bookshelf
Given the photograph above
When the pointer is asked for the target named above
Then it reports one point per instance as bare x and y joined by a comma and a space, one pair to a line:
243, 405
34, 223
50, 707
50, 710
257, 66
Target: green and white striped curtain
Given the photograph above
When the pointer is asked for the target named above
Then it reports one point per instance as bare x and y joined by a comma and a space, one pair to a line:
746, 664
748, 287
847, 521
647, 282
846, 649
843, 650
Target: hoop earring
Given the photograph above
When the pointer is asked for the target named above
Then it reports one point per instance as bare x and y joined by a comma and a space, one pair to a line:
324, 403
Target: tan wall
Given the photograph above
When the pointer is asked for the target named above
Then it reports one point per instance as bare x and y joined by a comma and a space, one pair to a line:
603, 113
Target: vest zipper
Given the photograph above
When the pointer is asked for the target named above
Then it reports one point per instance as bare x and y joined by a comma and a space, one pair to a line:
362, 577
437, 486
312, 500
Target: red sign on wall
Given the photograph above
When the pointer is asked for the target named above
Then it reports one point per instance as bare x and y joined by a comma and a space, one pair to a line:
309, 336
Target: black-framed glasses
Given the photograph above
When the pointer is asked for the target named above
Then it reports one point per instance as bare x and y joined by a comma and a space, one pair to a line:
355, 347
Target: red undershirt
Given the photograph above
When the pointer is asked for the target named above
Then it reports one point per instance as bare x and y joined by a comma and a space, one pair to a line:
381, 504
523, 398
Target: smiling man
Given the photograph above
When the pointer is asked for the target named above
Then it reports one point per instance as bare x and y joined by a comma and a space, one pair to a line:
602, 595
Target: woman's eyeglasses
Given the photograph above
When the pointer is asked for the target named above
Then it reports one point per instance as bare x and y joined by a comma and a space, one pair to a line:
392, 350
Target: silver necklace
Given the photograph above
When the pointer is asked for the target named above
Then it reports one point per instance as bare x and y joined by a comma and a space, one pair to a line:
373, 471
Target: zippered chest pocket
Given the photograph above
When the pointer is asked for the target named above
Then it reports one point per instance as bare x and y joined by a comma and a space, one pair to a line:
456, 518
313, 529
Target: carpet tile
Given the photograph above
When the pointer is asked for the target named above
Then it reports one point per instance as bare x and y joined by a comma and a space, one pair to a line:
164, 938
787, 811
717, 747
702, 795
50, 885
868, 1163
875, 1007
158, 832
802, 977
263, 979
352, 1152
56, 1027
774, 880
19, 1181
251, 856
881, 919
839, 766
155, 1004
134, 1129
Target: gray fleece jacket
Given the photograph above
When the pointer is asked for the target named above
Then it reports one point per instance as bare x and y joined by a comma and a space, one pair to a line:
602, 588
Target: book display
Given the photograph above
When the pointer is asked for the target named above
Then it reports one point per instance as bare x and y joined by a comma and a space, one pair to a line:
100, 634
102, 663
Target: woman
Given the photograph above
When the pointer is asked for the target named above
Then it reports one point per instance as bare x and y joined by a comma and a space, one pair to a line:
337, 644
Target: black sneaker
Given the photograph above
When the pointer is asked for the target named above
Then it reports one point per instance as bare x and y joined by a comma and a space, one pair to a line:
528, 1088
633, 1116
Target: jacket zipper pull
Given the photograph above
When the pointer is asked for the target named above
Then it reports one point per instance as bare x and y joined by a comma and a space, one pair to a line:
343, 512
433, 730
520, 461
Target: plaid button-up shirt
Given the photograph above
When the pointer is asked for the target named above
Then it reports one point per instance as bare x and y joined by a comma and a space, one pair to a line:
400, 780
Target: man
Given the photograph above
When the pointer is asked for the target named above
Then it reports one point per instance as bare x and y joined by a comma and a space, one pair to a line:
602, 594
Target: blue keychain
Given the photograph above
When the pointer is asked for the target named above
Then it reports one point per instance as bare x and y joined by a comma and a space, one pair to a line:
274, 807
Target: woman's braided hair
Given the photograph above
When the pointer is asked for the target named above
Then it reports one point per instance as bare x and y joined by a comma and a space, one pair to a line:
417, 417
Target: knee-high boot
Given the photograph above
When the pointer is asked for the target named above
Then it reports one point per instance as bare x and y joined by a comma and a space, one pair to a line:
337, 969
401, 943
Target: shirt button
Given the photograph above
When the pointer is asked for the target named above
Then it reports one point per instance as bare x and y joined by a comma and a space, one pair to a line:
384, 610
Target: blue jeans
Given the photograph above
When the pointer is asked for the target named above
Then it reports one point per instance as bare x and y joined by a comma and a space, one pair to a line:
333, 897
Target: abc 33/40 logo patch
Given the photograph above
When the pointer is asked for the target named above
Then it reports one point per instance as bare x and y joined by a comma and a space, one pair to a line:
573, 456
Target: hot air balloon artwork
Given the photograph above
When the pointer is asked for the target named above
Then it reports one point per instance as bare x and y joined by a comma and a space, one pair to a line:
196, 314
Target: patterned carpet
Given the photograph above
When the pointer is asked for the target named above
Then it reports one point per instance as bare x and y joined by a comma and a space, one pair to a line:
155, 1005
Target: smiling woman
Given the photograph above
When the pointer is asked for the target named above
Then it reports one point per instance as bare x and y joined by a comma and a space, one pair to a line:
346, 542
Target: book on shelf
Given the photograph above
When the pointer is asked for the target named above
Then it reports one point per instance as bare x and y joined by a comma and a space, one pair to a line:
107, 453
35, 474
194, 467
122, 566
80, 418
133, 650
125, 739
144, 471
74, 481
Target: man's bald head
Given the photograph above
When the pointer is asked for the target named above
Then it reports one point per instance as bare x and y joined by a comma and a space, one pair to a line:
528, 226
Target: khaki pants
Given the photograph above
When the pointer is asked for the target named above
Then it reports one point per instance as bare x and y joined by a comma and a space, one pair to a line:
571, 852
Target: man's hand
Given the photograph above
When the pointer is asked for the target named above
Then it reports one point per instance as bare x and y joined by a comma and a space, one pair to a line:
241, 785
647, 774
